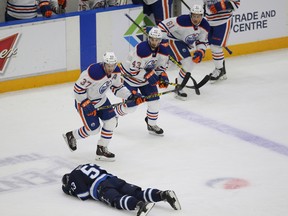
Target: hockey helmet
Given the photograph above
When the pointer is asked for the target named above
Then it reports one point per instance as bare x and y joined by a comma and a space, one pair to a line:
155, 33
65, 179
197, 13
197, 9
109, 58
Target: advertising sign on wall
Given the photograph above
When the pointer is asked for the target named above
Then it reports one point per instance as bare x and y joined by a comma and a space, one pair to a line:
32, 49
118, 33
255, 20
253, 23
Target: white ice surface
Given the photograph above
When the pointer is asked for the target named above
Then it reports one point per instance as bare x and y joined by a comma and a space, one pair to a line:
236, 128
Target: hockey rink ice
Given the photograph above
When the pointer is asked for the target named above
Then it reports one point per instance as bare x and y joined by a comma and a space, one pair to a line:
224, 153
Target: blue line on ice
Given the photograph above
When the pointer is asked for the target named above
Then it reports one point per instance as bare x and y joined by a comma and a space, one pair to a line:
226, 129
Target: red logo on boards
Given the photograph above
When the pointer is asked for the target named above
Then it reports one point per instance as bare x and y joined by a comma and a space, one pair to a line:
7, 50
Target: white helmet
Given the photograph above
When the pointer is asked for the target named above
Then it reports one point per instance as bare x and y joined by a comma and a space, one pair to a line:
155, 33
197, 9
109, 58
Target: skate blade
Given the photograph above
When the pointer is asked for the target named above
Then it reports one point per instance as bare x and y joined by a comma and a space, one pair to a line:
155, 134
177, 205
149, 207
102, 158
224, 77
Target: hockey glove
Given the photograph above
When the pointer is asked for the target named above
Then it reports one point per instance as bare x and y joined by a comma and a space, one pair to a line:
198, 55
134, 99
88, 108
163, 80
151, 77
45, 9
219, 6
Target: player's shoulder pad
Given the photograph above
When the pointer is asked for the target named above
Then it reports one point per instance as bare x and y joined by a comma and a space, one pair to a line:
96, 71
204, 24
164, 50
184, 20
143, 49
117, 70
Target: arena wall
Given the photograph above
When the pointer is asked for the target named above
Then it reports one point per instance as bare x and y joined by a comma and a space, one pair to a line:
42, 51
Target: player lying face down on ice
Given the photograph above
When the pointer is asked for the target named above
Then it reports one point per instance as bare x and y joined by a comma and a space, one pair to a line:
89, 181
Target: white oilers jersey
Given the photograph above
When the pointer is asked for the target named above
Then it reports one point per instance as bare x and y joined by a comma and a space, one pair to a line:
27, 9
143, 59
22, 9
222, 16
181, 29
93, 84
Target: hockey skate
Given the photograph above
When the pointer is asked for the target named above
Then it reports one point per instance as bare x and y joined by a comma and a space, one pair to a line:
170, 197
70, 140
144, 208
103, 154
218, 74
154, 129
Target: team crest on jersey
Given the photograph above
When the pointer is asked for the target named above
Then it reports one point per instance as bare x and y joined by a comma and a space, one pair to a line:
150, 65
106, 85
191, 38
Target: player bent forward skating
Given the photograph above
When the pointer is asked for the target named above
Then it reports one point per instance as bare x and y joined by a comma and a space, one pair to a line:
90, 93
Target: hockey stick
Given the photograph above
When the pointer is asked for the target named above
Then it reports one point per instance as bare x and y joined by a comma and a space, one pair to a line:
177, 88
172, 59
186, 5
189, 8
169, 83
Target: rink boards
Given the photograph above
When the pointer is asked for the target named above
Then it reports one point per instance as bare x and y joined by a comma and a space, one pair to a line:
52, 51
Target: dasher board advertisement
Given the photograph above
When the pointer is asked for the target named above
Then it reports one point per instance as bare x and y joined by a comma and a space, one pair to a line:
255, 20
32, 48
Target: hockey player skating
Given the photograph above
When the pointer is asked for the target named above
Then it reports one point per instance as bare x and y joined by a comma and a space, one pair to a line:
184, 32
90, 93
144, 69
89, 181
219, 14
